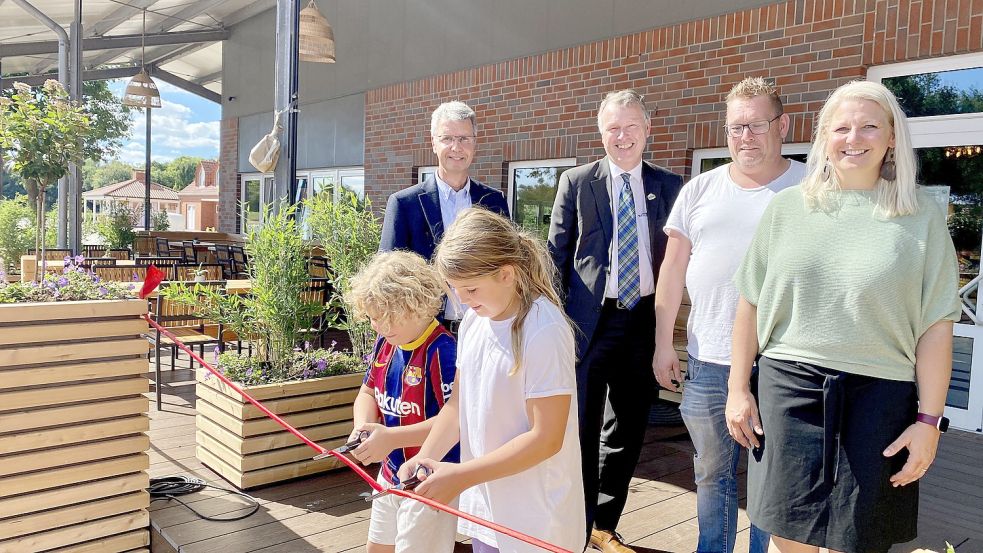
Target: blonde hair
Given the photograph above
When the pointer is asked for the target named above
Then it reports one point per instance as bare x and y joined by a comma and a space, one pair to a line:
395, 285
479, 243
893, 198
623, 98
752, 87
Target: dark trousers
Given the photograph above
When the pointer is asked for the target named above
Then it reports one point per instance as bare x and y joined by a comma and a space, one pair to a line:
614, 392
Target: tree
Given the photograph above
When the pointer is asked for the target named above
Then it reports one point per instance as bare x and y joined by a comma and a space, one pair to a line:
178, 173
42, 131
95, 176
110, 122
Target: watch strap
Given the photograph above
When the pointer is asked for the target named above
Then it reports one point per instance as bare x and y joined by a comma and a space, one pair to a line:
931, 420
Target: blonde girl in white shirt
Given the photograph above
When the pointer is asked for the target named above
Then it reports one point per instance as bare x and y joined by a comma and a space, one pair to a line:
514, 402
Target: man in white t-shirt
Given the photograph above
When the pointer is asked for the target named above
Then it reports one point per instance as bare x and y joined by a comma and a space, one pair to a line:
710, 228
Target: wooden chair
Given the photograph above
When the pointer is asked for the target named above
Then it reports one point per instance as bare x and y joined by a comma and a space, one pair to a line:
186, 325
90, 262
187, 271
114, 273
188, 252
317, 291
53, 254
223, 256
119, 253
239, 261
164, 249
93, 250
317, 266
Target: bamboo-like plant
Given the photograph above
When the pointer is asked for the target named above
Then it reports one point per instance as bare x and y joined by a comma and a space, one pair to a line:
349, 232
43, 131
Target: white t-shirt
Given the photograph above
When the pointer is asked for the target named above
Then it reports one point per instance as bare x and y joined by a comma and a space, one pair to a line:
719, 219
545, 501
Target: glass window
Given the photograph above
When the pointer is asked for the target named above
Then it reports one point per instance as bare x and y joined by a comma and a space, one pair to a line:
423, 173
354, 184
706, 160
532, 189
939, 93
251, 202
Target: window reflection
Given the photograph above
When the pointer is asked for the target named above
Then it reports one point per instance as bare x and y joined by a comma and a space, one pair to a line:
939, 93
534, 192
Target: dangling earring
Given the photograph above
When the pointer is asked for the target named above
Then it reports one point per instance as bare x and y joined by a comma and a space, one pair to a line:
889, 169
827, 170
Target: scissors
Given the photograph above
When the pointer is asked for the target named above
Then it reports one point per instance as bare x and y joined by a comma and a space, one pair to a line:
359, 438
408, 484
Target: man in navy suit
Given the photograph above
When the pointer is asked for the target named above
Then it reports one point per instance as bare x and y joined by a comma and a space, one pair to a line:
607, 241
417, 217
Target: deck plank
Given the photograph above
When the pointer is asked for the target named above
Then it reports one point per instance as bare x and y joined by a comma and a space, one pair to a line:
325, 513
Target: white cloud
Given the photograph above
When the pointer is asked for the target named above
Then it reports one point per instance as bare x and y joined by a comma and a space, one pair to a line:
174, 134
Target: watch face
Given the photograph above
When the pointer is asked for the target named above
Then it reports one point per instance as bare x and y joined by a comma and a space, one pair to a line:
943, 424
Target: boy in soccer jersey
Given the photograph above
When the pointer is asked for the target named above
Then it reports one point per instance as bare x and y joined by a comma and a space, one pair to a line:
408, 381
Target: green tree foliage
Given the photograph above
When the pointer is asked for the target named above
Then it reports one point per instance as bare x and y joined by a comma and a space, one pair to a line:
95, 175
116, 228
178, 173
16, 231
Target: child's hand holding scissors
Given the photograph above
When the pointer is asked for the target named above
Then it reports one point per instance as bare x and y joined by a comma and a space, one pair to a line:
444, 483
376, 446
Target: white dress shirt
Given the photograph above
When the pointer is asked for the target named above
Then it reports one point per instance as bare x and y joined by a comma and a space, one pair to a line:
452, 202
645, 276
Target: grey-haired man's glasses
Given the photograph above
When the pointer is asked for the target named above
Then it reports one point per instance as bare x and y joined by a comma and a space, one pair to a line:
447, 140
736, 130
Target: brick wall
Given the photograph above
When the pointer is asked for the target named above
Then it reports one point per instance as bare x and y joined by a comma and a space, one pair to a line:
544, 106
228, 176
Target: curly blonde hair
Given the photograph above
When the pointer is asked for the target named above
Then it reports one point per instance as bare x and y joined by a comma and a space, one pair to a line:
393, 286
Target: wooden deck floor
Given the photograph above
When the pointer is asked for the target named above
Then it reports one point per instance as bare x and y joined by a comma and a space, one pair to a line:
326, 513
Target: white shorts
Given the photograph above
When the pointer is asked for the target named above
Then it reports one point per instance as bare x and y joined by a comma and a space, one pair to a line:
410, 525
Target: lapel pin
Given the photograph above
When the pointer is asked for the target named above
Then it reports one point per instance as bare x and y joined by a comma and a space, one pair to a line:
650, 197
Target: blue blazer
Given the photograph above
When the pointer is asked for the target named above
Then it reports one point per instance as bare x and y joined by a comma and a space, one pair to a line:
413, 221
581, 232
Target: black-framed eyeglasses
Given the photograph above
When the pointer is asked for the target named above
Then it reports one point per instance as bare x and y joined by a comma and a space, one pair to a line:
736, 130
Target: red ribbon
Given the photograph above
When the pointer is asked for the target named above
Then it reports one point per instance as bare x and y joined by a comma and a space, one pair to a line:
358, 470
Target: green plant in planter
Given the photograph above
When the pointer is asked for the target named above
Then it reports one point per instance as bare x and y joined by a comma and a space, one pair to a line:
73, 284
304, 365
275, 315
349, 233
159, 221
43, 131
116, 227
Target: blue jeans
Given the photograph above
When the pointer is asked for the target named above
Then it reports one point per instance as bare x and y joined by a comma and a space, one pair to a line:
716, 460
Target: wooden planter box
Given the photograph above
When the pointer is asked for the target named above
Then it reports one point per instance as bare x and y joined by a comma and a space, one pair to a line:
73, 417
247, 448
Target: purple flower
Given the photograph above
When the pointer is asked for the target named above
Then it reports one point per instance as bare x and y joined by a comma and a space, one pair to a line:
103, 291
306, 374
96, 279
61, 282
79, 259
215, 352
131, 287
322, 365
249, 372
334, 343
135, 278
67, 260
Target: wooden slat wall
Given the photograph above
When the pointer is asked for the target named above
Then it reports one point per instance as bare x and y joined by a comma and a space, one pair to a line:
236, 440
73, 423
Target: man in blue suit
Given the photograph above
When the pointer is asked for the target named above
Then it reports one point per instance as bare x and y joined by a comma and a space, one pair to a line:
607, 241
417, 217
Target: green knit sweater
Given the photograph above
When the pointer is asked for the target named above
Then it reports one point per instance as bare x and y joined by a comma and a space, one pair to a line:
847, 289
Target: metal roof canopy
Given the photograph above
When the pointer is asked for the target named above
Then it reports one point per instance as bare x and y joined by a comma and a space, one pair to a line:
184, 49
184, 39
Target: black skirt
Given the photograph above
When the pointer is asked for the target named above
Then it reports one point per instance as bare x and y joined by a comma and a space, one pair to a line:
820, 477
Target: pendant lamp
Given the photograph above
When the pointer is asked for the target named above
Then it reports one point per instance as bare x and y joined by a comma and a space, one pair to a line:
141, 91
316, 36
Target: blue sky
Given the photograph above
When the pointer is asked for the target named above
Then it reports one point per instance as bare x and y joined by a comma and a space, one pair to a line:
185, 124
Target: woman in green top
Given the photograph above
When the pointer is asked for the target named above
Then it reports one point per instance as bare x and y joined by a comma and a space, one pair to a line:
849, 290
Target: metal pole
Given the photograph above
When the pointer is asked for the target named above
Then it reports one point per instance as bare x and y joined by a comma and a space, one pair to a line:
74, 171
146, 179
63, 79
287, 41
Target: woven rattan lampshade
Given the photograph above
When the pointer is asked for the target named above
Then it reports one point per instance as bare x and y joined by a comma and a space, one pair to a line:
316, 36
141, 92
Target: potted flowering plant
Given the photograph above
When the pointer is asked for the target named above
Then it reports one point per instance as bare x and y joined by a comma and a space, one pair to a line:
72, 375
313, 388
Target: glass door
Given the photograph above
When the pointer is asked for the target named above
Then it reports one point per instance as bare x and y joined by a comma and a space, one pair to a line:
532, 189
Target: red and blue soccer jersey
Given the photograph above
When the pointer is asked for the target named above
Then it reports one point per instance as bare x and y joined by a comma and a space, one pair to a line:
411, 383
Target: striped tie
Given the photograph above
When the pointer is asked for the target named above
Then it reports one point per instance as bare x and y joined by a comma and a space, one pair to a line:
628, 285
